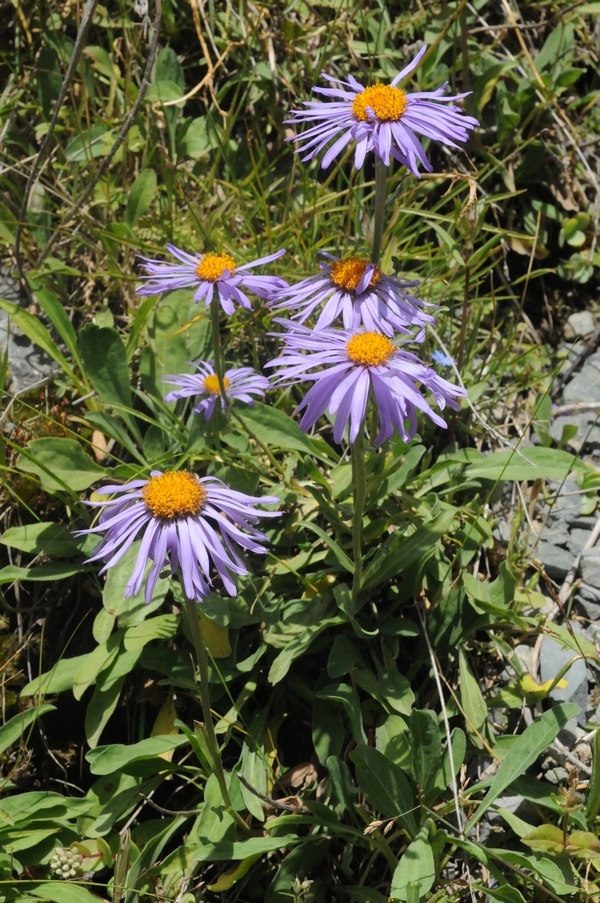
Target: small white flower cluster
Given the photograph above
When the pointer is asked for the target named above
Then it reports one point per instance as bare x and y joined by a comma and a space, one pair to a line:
66, 863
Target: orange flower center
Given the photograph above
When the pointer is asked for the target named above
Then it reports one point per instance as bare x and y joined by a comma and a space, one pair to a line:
174, 494
347, 273
387, 102
370, 349
212, 267
211, 384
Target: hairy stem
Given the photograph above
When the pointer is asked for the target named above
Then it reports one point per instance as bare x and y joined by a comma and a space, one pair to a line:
211, 737
215, 309
381, 171
359, 491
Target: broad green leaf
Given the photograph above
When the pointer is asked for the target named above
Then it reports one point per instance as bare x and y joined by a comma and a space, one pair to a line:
398, 553
141, 195
105, 363
59, 892
531, 463
546, 838
39, 573
294, 649
416, 866
89, 144
57, 680
528, 746
61, 464
385, 787
107, 759
12, 731
99, 709
44, 537
342, 559
472, 700
277, 430
161, 627
224, 850
426, 752
347, 696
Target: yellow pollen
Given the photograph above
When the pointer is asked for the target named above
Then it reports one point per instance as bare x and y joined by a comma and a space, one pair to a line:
174, 494
212, 266
370, 349
347, 273
211, 384
387, 102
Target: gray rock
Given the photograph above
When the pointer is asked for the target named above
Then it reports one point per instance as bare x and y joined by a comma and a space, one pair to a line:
553, 658
585, 385
28, 365
525, 655
556, 560
566, 507
590, 567
580, 323
577, 540
589, 593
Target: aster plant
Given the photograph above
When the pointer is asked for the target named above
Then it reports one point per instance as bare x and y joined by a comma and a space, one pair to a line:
186, 523
355, 291
239, 383
381, 119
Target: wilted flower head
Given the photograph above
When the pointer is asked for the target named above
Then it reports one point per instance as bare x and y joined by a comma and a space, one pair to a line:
210, 274
357, 291
239, 383
353, 367
381, 118
187, 523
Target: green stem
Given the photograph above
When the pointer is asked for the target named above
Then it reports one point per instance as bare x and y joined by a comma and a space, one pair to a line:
359, 490
381, 172
215, 309
191, 609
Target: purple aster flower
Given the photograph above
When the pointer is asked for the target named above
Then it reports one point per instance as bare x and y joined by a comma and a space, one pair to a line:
356, 290
353, 367
381, 118
240, 383
188, 523
210, 273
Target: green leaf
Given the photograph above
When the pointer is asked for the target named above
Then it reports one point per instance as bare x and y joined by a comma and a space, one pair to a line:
108, 759
400, 552
531, 463
472, 700
385, 786
416, 867
59, 892
342, 559
33, 328
60, 464
89, 144
426, 748
100, 707
57, 680
42, 538
105, 363
55, 311
277, 430
141, 195
225, 850
39, 573
593, 795
524, 752
12, 731
347, 696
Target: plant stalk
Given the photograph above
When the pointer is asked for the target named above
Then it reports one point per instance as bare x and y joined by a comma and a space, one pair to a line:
218, 347
204, 688
381, 172
359, 491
